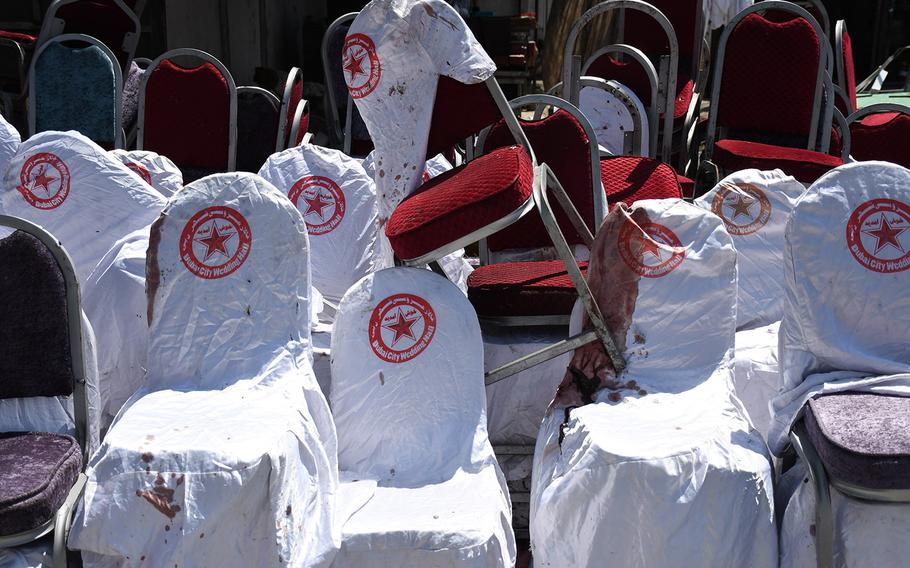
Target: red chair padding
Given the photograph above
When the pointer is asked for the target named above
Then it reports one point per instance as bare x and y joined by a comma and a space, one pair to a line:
645, 33
849, 71
187, 115
459, 111
541, 288
24, 39
460, 201
632, 75
805, 165
559, 141
882, 136
769, 74
296, 96
628, 179
101, 19
686, 185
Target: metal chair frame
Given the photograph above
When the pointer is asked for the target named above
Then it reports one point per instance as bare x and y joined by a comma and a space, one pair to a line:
203, 57
295, 126
667, 65
62, 520
118, 139
342, 132
869, 82
284, 139
53, 26
840, 75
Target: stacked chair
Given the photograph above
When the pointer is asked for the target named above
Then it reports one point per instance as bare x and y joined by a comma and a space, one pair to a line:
258, 118
112, 22
291, 99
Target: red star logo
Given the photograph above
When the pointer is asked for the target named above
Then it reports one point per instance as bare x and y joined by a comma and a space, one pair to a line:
42, 180
215, 241
741, 207
354, 66
317, 205
648, 245
402, 327
886, 235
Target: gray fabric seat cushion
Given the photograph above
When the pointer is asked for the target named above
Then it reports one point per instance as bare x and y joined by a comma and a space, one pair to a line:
37, 471
862, 438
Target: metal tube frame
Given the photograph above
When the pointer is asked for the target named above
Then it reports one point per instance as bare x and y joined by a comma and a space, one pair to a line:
332, 107
295, 125
118, 139
870, 80
840, 68
60, 524
283, 139
203, 57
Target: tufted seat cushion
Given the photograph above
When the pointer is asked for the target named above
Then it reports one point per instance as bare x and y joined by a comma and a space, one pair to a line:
628, 179
805, 165
540, 288
461, 201
37, 471
862, 438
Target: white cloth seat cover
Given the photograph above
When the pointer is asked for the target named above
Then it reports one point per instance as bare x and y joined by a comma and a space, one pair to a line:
409, 405
611, 118
846, 327
662, 468
338, 202
227, 454
9, 143
156, 170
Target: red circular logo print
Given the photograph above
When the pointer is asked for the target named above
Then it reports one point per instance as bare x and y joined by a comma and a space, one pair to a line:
321, 201
361, 65
878, 235
651, 254
44, 181
215, 242
141, 170
744, 208
401, 327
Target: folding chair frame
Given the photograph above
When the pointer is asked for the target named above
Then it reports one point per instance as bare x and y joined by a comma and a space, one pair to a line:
54, 26
60, 524
840, 75
118, 139
203, 57
668, 65
822, 80
342, 132
870, 80
295, 126
284, 139
822, 483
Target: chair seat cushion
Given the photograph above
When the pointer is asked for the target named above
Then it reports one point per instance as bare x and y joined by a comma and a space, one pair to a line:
540, 288
805, 165
461, 201
686, 185
628, 179
862, 438
37, 471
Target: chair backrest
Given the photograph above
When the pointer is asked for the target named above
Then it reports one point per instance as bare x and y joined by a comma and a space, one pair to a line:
189, 114
847, 262
687, 17
111, 21
156, 170
620, 121
76, 88
41, 344
769, 76
72, 187
407, 379
564, 141
634, 179
845, 75
338, 202
258, 116
227, 277
301, 124
335, 88
293, 93
459, 110
15, 50
881, 132
755, 207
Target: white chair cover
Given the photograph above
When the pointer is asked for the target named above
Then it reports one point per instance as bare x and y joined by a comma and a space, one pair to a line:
9, 143
611, 119
156, 170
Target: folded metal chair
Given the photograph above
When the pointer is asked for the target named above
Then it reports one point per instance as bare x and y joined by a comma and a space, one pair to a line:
111, 21
156, 170
76, 84
189, 113
408, 401
654, 464
226, 455
845, 365
290, 98
41, 356
786, 126
348, 127
258, 117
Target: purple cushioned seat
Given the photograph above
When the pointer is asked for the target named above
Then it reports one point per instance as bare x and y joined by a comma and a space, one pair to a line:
862, 438
37, 471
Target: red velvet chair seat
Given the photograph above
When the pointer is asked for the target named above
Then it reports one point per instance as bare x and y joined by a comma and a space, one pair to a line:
805, 165
460, 201
541, 288
628, 179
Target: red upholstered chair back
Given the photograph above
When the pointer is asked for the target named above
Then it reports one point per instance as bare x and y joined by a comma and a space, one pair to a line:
293, 94
849, 77
769, 75
459, 111
302, 117
882, 136
629, 72
559, 141
643, 32
105, 20
187, 115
